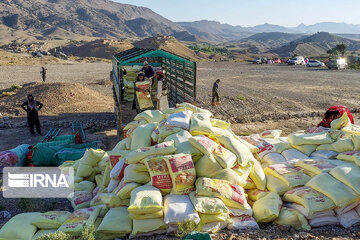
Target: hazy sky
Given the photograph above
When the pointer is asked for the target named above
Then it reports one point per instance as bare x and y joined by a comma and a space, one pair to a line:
254, 12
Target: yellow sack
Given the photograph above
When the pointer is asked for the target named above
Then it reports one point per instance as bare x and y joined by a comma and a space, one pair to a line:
274, 134
138, 155
99, 180
356, 141
231, 194
145, 199
193, 108
81, 200
170, 111
316, 166
42, 233
158, 214
182, 172
257, 174
84, 170
275, 185
306, 149
347, 156
267, 208
243, 172
312, 200
251, 147
84, 186
92, 157
229, 175
144, 97
19, 227
350, 176
341, 145
357, 159
116, 222
187, 148
132, 174
208, 205
114, 158
80, 219
334, 189
106, 177
210, 218
159, 173
220, 123
289, 175
242, 153
301, 138
256, 194
51, 220
148, 226
200, 124
141, 136
151, 116
124, 144
166, 131
250, 184
207, 166
124, 189
179, 137
111, 200
342, 122
292, 218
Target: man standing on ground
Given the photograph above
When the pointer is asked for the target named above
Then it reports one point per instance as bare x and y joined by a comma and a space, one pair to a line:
32, 107
43, 73
215, 94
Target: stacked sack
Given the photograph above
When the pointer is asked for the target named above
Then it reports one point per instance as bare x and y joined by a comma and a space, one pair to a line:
181, 166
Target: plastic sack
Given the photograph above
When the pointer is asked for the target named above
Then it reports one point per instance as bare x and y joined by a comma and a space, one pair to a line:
210, 218
275, 185
293, 155
131, 174
347, 156
80, 219
220, 123
118, 171
84, 186
193, 108
239, 212
214, 227
349, 219
159, 173
51, 220
305, 149
81, 199
143, 96
149, 226
312, 200
231, 194
19, 227
151, 116
341, 194
341, 145
182, 172
242, 153
179, 137
275, 134
267, 208
137, 155
208, 205
301, 209
124, 190
250, 184
257, 174
113, 184
124, 144
316, 166
350, 176
342, 122
42, 233
292, 218
106, 175
243, 172
200, 124
324, 221
242, 223
159, 214
145, 199
166, 131
114, 158
229, 175
289, 175
207, 166
256, 194
301, 138
141, 136
180, 119
110, 223
273, 158
324, 154
179, 209
356, 141
342, 210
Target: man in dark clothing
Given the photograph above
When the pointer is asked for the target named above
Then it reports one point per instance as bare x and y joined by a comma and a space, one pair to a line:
43, 73
148, 70
32, 107
215, 94
123, 72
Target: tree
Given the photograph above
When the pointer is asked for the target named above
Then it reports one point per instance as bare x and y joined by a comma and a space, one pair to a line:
341, 48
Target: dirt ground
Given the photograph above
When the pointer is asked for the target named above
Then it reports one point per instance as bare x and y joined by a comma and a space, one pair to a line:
254, 98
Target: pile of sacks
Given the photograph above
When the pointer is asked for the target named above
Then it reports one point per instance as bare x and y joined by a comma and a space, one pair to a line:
182, 166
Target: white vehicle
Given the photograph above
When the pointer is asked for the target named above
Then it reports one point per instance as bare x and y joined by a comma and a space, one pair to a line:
337, 64
315, 63
298, 60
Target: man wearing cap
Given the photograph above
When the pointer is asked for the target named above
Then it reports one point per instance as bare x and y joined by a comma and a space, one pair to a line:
32, 107
148, 70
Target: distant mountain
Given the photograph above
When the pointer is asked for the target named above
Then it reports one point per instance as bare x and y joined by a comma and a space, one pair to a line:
330, 27
91, 18
316, 45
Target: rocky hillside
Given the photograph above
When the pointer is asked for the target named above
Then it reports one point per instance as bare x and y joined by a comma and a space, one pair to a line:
316, 45
91, 18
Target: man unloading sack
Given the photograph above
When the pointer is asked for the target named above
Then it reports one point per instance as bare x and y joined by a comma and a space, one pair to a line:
32, 107
215, 94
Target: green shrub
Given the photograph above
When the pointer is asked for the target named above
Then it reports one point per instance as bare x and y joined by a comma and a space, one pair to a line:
7, 94
15, 87
188, 227
355, 66
241, 98
210, 49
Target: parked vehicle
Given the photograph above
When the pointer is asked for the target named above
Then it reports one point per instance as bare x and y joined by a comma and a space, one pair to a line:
261, 60
37, 54
315, 63
298, 60
337, 64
